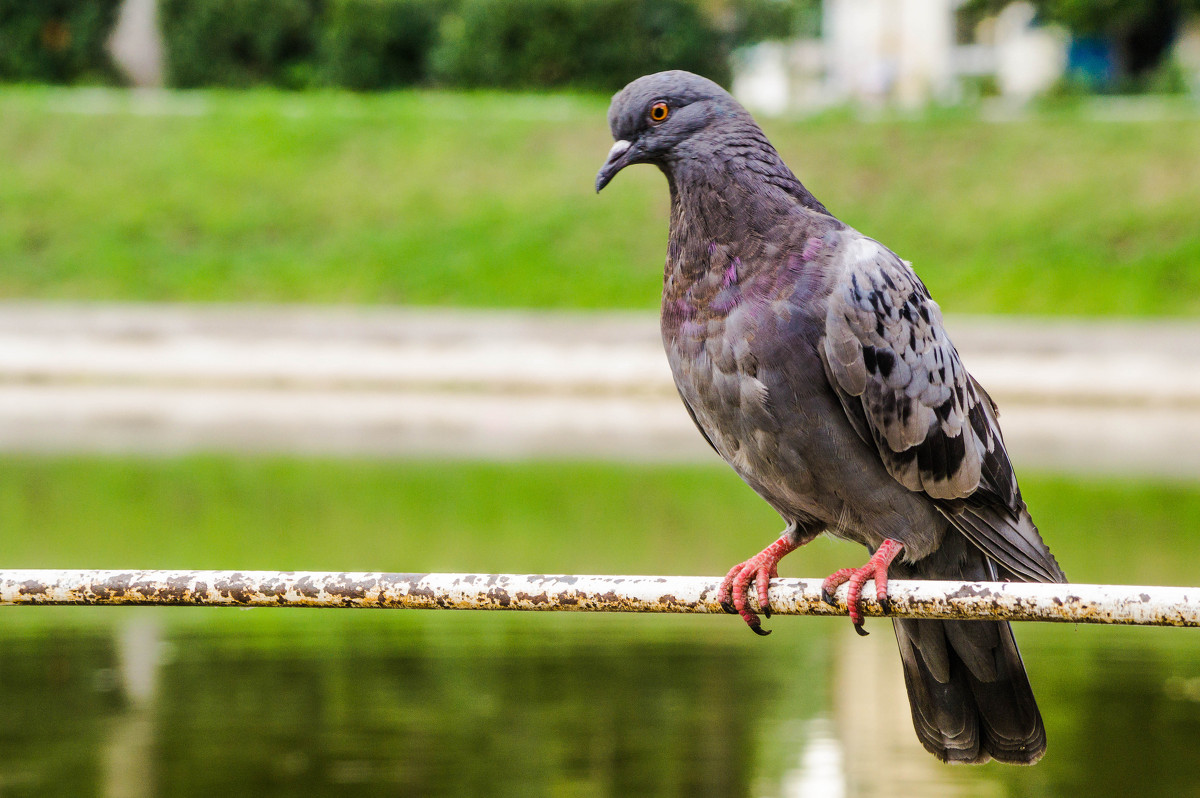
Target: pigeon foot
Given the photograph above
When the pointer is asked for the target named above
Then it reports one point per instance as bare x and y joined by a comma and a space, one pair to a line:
760, 569
876, 568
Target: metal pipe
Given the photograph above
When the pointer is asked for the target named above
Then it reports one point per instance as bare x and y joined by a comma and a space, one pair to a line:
1015, 601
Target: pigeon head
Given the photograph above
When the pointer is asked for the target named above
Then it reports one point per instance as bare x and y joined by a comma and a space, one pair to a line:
661, 117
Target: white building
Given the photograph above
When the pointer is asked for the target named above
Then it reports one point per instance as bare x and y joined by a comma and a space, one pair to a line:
880, 51
900, 52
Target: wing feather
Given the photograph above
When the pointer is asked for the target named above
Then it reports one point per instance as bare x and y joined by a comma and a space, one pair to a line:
905, 389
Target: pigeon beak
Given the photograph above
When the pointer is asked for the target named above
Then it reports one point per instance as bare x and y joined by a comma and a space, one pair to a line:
619, 157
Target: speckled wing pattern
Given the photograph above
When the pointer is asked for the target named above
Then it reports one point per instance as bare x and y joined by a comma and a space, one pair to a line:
905, 389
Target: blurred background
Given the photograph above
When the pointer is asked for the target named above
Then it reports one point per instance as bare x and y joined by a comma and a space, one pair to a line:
324, 285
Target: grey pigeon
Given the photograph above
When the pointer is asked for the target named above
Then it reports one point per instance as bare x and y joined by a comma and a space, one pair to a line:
814, 361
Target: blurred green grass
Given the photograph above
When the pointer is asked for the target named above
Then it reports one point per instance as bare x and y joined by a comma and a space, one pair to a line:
325, 514
486, 200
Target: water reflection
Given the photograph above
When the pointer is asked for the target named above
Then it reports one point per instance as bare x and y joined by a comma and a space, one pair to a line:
874, 726
611, 708
620, 721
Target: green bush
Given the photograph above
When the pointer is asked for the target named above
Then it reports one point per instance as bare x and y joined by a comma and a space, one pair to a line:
589, 44
56, 41
240, 42
751, 21
374, 44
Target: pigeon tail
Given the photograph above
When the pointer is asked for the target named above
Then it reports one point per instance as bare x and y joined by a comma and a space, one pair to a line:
970, 696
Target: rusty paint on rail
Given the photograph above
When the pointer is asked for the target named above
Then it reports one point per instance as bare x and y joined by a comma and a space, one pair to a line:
1106, 604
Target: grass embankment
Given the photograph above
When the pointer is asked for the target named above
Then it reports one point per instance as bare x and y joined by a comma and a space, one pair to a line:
486, 200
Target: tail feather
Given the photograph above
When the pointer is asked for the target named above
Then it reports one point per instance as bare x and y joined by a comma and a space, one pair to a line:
970, 697
1009, 714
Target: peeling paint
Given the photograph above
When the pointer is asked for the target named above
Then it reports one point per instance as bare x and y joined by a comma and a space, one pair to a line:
1111, 604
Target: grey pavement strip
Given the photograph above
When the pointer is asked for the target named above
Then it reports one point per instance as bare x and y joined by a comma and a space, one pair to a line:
1108, 396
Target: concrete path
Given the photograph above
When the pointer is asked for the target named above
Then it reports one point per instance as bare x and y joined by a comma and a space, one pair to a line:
1108, 397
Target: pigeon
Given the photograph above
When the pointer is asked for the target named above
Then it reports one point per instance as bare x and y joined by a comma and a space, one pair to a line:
814, 361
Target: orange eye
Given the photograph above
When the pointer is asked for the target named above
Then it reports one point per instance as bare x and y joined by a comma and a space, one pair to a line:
659, 111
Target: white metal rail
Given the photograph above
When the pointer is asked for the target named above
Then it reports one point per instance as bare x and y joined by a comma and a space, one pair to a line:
1015, 601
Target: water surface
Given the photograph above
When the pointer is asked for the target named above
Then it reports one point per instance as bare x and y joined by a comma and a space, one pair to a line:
322, 703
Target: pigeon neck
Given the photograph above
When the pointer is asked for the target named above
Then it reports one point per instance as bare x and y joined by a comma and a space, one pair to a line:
738, 186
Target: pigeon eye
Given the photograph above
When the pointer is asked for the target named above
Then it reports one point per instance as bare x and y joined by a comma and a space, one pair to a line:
659, 111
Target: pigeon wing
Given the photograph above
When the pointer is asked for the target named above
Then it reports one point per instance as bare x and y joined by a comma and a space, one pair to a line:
692, 415
904, 388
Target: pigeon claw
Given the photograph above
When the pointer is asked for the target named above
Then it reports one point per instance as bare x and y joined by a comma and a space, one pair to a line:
833, 582
876, 568
759, 569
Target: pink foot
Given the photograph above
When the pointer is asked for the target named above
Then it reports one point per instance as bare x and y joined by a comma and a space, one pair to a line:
760, 568
876, 568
